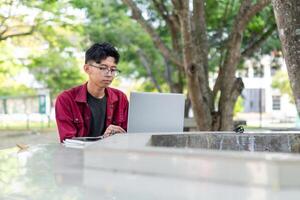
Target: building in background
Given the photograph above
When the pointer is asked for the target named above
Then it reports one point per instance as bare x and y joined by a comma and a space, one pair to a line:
259, 95
16, 110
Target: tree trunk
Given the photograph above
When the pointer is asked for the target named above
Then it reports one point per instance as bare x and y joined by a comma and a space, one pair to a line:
191, 53
187, 106
288, 23
231, 87
193, 71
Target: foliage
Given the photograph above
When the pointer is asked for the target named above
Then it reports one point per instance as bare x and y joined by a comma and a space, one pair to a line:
109, 21
220, 15
206, 36
16, 89
239, 106
281, 81
58, 32
59, 26
49, 50
10, 65
56, 70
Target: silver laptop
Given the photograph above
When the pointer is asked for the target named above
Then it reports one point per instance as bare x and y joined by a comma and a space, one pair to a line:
155, 112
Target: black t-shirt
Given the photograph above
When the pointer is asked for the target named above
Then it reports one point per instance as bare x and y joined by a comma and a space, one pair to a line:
98, 110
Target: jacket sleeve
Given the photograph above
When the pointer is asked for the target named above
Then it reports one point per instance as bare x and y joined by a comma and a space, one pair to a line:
125, 113
64, 118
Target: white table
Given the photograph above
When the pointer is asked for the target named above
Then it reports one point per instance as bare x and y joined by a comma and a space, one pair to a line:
125, 167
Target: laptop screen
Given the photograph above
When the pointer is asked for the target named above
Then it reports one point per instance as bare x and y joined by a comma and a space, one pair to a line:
155, 112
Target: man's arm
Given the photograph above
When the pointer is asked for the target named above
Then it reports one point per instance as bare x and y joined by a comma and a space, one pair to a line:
125, 114
122, 128
64, 118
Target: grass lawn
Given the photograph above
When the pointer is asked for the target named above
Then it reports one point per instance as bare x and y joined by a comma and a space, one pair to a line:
23, 126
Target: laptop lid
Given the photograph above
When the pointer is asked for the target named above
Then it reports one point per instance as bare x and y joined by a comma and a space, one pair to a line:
155, 112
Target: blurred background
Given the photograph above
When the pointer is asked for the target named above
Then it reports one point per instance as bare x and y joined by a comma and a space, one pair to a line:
42, 53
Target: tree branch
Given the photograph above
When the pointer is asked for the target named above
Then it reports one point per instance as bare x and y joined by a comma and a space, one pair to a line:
146, 64
137, 15
237, 89
200, 37
18, 34
229, 84
170, 19
249, 11
255, 45
222, 23
3, 32
246, 12
201, 48
217, 85
168, 75
9, 13
186, 33
172, 22
3, 21
199, 101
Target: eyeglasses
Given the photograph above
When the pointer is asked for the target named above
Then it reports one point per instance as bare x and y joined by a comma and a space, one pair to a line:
105, 69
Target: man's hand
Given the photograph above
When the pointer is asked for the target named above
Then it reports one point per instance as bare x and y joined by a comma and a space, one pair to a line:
113, 129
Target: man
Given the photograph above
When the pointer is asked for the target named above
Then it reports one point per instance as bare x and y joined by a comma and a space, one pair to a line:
94, 109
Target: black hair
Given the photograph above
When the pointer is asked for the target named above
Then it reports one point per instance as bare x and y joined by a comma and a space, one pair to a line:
100, 51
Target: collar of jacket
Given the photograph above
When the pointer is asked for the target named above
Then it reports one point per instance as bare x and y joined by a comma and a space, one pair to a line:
82, 93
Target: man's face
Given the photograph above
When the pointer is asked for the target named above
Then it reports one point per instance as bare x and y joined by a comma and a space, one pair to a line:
103, 73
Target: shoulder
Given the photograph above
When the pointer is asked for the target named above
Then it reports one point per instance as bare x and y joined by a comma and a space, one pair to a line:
69, 93
116, 93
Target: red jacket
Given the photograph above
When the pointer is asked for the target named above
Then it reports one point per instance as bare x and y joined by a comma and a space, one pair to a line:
73, 113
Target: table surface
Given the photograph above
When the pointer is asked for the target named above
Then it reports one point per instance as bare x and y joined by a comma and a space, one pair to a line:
126, 167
